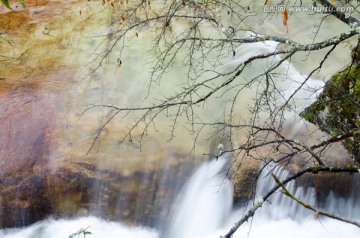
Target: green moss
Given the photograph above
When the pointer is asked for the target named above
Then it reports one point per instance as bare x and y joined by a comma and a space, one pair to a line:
311, 113
351, 166
308, 116
337, 111
336, 131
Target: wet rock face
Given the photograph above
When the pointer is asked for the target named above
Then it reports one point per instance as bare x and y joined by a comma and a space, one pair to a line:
245, 185
23, 203
40, 175
27, 122
35, 184
339, 186
143, 197
337, 110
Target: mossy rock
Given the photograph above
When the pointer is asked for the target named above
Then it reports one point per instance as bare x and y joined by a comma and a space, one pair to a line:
337, 109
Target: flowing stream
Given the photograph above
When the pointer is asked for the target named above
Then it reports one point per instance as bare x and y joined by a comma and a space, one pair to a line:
204, 210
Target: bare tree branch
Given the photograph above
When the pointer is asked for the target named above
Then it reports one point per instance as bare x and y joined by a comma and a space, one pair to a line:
206, 36
259, 203
339, 15
307, 206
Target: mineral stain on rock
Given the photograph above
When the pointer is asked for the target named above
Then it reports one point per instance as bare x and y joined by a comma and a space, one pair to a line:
41, 175
34, 77
27, 123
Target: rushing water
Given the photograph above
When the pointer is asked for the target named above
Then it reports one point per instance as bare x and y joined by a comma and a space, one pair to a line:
204, 210
198, 210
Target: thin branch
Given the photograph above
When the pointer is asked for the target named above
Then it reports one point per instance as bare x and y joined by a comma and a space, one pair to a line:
258, 204
339, 15
334, 139
308, 206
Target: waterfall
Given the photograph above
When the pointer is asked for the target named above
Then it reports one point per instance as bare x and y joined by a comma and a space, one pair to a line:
204, 202
279, 205
281, 216
204, 209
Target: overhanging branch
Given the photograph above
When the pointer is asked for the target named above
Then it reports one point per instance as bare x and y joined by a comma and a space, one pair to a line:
315, 170
308, 206
339, 15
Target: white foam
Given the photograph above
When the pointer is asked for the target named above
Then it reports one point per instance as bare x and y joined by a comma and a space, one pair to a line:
64, 228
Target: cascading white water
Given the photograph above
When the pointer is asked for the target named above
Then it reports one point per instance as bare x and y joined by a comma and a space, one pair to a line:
281, 216
204, 202
280, 206
204, 210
